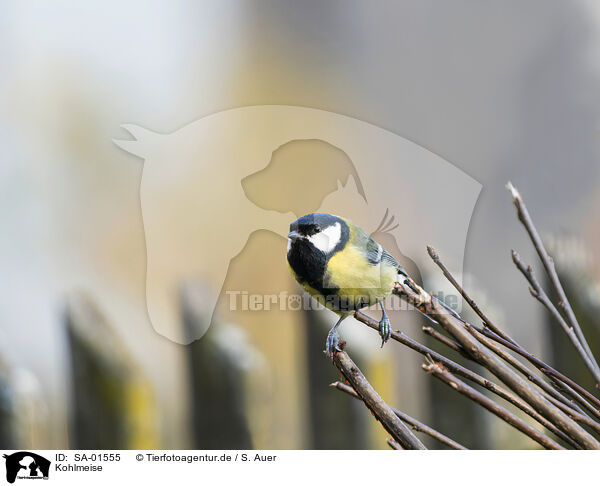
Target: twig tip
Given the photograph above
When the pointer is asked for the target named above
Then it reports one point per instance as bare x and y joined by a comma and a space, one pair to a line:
513, 191
515, 256
432, 252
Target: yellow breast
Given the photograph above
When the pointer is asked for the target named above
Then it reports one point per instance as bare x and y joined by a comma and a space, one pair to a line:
350, 271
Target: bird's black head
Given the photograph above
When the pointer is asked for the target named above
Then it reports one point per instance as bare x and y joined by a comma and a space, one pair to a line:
324, 232
313, 239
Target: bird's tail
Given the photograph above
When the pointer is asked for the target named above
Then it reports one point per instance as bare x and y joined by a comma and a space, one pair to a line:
401, 271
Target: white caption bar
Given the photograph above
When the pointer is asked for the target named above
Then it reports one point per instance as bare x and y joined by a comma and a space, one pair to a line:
298, 467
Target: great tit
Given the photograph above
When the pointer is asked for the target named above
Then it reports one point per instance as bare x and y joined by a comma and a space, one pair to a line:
342, 267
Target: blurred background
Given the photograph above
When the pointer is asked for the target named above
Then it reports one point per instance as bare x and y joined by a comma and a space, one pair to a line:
502, 90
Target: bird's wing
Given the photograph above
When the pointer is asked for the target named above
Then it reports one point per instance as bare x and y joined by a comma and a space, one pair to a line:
377, 254
374, 251
386, 257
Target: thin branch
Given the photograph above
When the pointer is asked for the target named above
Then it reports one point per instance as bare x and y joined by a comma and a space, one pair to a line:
537, 292
394, 445
425, 303
524, 371
381, 410
413, 422
488, 324
513, 399
460, 370
445, 340
580, 417
446, 377
515, 363
436, 258
576, 414
544, 368
548, 263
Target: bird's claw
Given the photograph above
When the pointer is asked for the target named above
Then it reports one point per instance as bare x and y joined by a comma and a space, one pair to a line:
332, 344
385, 330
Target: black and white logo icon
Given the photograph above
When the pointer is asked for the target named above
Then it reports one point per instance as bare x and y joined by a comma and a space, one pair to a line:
26, 465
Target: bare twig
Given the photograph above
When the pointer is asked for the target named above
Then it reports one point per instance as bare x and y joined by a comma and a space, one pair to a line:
468, 374
436, 258
489, 326
511, 399
568, 410
413, 422
537, 291
548, 263
381, 410
446, 377
394, 445
425, 303
544, 368
515, 363
445, 340
581, 417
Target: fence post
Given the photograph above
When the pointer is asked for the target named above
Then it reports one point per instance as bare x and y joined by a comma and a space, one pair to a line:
219, 371
7, 432
112, 406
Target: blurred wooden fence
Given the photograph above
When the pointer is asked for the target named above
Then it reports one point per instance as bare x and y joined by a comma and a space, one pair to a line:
7, 411
23, 411
112, 404
217, 378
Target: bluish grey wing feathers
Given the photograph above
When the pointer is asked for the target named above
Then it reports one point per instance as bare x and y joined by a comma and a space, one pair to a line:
376, 254
386, 257
374, 251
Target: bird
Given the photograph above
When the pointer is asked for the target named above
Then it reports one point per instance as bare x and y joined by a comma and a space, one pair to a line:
342, 267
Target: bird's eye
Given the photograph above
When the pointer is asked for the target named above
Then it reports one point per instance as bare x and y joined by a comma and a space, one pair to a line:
317, 228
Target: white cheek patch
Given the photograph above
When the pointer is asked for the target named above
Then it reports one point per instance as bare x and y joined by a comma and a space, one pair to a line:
327, 239
289, 245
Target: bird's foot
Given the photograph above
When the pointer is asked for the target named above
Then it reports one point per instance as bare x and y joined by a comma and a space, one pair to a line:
385, 330
332, 343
